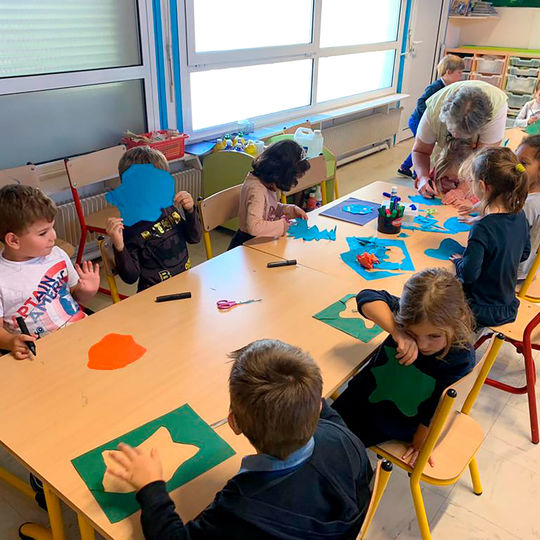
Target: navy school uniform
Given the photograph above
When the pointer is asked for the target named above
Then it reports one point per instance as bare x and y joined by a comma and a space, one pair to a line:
377, 422
497, 244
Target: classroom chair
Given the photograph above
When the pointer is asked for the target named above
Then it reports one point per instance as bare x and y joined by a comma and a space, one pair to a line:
453, 439
314, 176
221, 170
530, 288
107, 261
87, 170
216, 210
27, 175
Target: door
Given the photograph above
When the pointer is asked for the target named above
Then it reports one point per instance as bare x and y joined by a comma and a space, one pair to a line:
421, 55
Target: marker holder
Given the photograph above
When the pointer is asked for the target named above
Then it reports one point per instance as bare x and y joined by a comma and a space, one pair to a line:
389, 224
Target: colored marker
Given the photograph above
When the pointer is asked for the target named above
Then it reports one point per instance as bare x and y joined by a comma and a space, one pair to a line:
24, 330
275, 264
177, 296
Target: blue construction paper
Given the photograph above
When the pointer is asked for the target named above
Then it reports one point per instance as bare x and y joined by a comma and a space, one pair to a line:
474, 214
453, 225
337, 211
357, 209
446, 248
403, 235
418, 199
427, 223
144, 193
377, 246
301, 231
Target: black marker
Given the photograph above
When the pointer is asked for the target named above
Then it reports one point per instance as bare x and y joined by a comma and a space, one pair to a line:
275, 264
178, 296
24, 330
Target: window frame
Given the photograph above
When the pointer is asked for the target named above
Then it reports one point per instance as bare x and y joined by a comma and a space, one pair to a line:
191, 61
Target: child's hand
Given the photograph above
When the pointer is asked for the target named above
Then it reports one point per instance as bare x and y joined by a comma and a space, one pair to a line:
299, 213
469, 219
407, 349
114, 229
464, 207
185, 200
426, 187
412, 453
286, 224
18, 348
88, 278
456, 257
532, 120
136, 466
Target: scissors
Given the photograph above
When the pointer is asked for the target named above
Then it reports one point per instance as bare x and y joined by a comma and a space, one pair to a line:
225, 305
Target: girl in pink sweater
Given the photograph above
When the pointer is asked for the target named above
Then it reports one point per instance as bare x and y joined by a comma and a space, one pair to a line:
260, 214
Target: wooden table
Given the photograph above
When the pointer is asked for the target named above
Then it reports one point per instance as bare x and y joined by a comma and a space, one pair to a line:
55, 408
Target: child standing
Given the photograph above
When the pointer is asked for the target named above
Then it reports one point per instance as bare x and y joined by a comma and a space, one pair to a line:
310, 476
530, 113
498, 241
260, 214
450, 70
528, 153
37, 280
430, 336
153, 252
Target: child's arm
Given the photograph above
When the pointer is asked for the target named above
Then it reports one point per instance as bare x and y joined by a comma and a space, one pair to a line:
125, 259
255, 223
192, 228
431, 89
88, 284
15, 343
527, 250
469, 265
419, 438
521, 119
290, 211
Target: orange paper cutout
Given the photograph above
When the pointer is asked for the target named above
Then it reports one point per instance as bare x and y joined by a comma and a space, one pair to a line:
114, 351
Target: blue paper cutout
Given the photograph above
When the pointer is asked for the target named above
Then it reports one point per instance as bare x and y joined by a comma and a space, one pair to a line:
446, 248
377, 246
357, 209
144, 193
419, 199
453, 225
430, 224
301, 231
403, 235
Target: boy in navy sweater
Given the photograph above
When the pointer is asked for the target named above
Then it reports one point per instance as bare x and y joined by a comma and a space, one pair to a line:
310, 476
450, 70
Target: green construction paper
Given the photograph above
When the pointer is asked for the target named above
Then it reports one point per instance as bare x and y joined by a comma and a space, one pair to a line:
355, 327
533, 129
185, 426
405, 386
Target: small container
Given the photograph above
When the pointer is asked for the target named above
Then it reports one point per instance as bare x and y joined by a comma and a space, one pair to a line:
525, 62
495, 80
389, 224
517, 101
488, 64
467, 60
524, 85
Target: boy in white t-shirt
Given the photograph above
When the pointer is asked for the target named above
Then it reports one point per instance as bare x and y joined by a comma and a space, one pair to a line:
37, 280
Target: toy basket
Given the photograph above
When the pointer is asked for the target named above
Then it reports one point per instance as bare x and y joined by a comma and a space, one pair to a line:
172, 147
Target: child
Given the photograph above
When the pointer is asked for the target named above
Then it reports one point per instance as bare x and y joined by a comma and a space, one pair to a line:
528, 153
153, 252
499, 240
37, 280
450, 70
260, 214
310, 476
530, 113
430, 327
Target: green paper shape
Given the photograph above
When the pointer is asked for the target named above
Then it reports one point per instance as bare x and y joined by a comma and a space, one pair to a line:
405, 386
185, 426
355, 327
533, 129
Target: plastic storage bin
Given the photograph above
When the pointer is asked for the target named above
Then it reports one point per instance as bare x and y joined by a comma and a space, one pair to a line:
525, 62
468, 62
489, 65
523, 72
516, 101
465, 76
523, 85
172, 147
495, 80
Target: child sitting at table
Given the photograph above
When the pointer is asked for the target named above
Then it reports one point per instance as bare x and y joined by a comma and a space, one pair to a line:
37, 279
260, 214
530, 112
528, 153
499, 240
430, 332
309, 478
153, 252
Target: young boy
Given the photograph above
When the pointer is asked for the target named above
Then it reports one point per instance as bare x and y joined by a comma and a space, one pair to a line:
153, 252
37, 280
450, 70
310, 476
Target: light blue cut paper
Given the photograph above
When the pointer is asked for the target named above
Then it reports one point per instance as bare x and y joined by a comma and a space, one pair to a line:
424, 223
453, 225
419, 199
446, 248
357, 209
144, 193
403, 235
301, 231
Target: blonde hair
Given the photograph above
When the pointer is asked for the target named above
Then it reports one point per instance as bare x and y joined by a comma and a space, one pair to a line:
450, 62
142, 155
436, 296
452, 156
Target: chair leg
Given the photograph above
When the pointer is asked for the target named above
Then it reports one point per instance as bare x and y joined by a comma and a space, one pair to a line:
207, 244
82, 243
324, 199
530, 374
475, 477
85, 529
335, 185
420, 510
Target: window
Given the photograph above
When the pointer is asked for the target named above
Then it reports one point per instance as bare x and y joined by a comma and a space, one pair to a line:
271, 60
73, 76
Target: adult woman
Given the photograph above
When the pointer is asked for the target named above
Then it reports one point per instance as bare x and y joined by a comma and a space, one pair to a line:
470, 110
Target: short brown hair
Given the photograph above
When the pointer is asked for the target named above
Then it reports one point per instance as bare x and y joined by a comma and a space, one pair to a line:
21, 206
450, 62
436, 296
501, 169
276, 392
142, 155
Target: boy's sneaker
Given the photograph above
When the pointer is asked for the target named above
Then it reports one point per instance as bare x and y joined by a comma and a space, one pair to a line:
405, 172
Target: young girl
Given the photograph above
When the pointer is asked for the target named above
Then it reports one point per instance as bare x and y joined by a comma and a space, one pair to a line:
430, 336
529, 154
530, 113
260, 214
499, 240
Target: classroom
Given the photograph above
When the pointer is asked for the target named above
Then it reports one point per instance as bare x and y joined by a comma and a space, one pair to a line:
269, 270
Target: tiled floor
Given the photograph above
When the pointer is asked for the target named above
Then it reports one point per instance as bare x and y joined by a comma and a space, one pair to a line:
509, 464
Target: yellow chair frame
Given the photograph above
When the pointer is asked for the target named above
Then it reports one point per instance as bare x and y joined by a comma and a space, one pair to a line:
524, 289
108, 267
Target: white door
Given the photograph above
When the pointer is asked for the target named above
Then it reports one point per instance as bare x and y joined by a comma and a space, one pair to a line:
420, 56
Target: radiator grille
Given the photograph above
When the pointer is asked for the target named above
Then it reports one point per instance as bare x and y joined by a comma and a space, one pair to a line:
67, 224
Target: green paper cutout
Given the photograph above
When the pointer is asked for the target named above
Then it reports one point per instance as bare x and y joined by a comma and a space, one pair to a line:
405, 386
533, 129
185, 426
355, 327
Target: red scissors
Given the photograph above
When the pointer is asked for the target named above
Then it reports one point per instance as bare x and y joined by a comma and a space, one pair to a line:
225, 305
